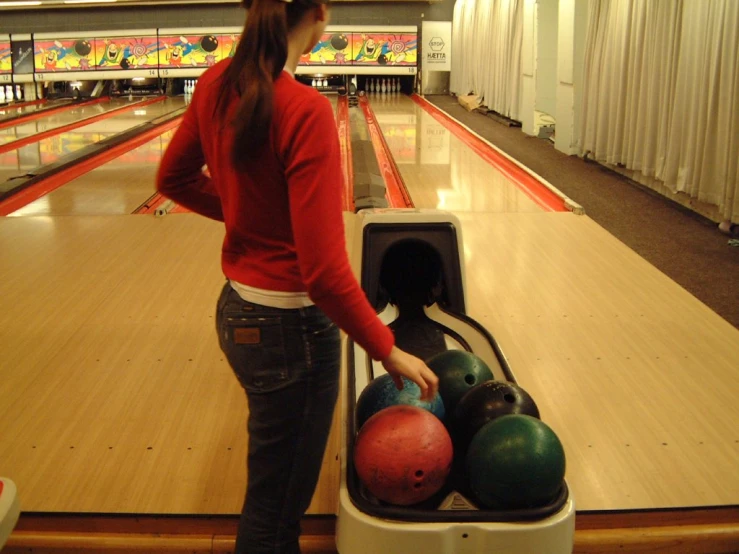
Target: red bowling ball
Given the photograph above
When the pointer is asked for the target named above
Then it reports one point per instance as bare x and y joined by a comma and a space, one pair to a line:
403, 455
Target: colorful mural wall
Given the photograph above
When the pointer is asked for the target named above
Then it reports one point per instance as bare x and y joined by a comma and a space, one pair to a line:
6, 63
197, 50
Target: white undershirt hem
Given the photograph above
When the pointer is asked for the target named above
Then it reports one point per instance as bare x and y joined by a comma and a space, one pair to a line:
272, 298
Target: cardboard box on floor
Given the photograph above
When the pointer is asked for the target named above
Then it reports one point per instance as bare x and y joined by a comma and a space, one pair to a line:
469, 102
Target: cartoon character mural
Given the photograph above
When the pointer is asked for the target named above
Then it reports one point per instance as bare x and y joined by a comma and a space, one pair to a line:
126, 52
6, 65
331, 49
189, 51
385, 49
63, 55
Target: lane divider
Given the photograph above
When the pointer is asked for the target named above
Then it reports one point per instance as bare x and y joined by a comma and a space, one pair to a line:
14, 145
43, 112
345, 142
397, 193
542, 193
53, 182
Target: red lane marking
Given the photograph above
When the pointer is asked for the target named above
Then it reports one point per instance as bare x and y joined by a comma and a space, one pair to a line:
80, 123
38, 115
345, 143
34, 192
524, 181
397, 194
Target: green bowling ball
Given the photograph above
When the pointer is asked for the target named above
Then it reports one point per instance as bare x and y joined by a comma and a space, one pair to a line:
515, 461
458, 372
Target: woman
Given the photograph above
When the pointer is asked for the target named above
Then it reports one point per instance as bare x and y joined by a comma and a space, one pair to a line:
274, 178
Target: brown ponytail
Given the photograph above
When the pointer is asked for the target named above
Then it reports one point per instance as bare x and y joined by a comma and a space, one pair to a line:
257, 62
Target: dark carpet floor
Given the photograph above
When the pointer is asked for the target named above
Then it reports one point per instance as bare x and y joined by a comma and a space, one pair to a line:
682, 244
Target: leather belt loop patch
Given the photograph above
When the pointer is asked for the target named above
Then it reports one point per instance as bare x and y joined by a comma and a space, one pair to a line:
247, 335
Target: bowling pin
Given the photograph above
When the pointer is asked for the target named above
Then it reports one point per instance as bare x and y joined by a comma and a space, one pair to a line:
370, 86
9, 93
2, 94
384, 85
325, 82
313, 83
18, 92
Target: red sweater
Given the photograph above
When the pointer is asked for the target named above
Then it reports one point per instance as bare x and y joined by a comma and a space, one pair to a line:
283, 217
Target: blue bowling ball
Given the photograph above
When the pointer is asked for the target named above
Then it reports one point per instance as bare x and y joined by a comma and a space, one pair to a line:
382, 393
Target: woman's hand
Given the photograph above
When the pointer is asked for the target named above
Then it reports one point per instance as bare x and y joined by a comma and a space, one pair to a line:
401, 364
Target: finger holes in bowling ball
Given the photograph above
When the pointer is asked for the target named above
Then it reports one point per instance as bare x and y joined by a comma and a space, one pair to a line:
417, 486
419, 473
509, 398
470, 379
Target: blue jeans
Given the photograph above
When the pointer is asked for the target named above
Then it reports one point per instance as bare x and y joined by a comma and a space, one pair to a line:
287, 361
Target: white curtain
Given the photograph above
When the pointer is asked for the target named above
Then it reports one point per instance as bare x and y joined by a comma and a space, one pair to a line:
487, 44
661, 93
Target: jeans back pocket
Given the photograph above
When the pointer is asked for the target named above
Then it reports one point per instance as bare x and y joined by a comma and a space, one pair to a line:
255, 347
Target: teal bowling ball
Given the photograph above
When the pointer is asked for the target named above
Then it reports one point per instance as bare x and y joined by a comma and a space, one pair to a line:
515, 461
458, 372
382, 393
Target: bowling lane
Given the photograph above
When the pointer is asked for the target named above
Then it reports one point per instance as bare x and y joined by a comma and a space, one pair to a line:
439, 170
10, 110
58, 119
31, 156
117, 187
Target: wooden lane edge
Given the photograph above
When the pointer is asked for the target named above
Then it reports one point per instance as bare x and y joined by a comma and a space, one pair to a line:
689, 539
153, 524
657, 518
58, 543
57, 534
118, 534
685, 539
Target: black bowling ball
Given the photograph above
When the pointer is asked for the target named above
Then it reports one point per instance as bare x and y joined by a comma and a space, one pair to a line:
484, 403
339, 42
82, 48
209, 43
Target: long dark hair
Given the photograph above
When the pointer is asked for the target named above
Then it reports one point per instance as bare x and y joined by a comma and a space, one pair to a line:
257, 62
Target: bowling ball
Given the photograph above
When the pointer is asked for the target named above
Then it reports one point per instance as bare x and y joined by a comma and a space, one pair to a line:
125, 64
515, 461
82, 47
403, 455
339, 42
382, 393
382, 59
486, 402
458, 371
209, 43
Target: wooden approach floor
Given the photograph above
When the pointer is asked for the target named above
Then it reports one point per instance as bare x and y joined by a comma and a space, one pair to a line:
116, 399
